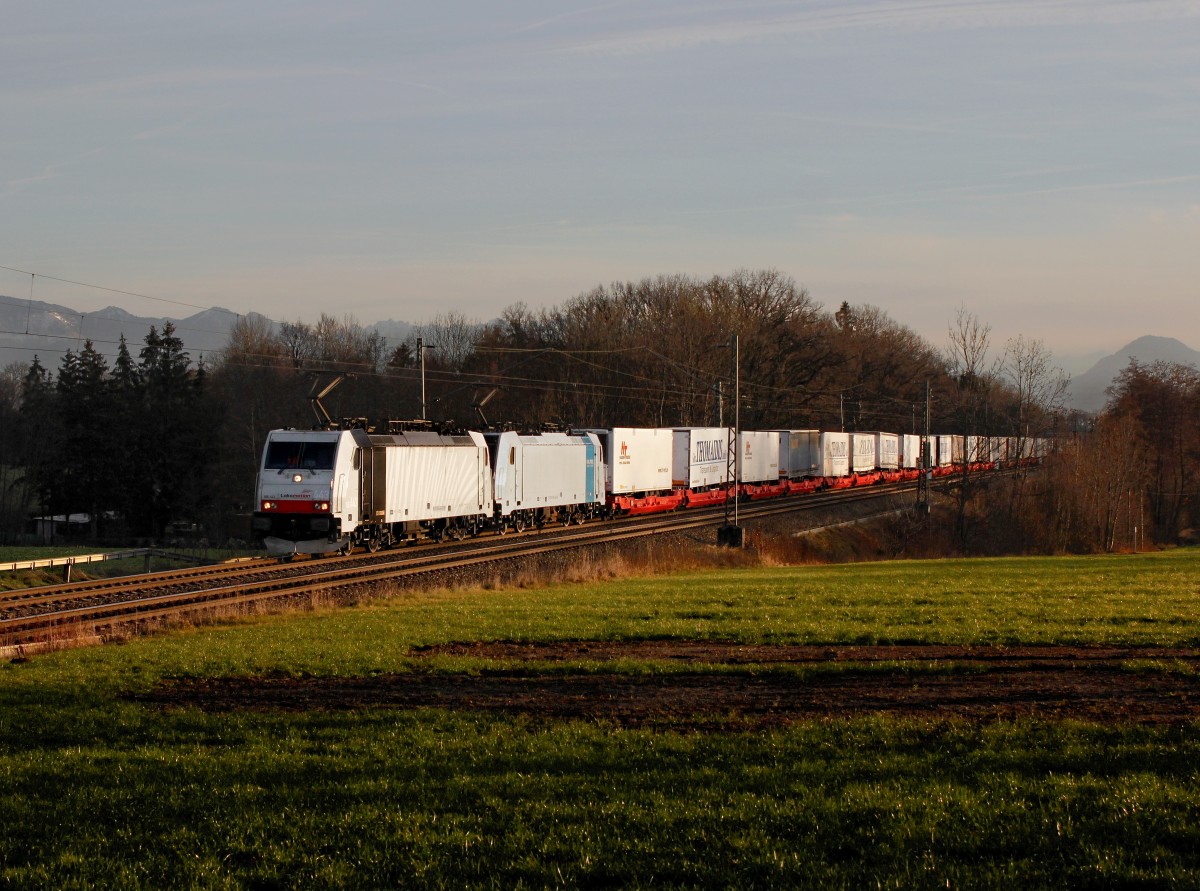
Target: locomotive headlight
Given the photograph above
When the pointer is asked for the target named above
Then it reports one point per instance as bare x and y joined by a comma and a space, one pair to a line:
270, 505
320, 505
297, 477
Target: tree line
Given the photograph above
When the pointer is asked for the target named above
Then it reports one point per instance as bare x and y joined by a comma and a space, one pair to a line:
160, 439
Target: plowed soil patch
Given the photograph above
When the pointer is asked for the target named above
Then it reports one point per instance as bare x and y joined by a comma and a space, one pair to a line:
1095, 684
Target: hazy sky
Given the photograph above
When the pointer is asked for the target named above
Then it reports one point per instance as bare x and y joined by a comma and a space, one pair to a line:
1037, 161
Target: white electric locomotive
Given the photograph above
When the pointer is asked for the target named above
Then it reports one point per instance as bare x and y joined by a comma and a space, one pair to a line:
547, 477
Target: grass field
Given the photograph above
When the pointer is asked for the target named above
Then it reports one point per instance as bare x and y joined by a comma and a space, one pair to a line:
98, 789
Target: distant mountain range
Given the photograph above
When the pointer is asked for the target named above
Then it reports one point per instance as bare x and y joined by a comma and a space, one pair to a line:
1087, 389
47, 330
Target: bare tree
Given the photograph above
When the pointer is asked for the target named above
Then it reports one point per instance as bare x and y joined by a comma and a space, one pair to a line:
1164, 398
972, 378
299, 344
1039, 385
452, 334
1094, 490
253, 340
967, 352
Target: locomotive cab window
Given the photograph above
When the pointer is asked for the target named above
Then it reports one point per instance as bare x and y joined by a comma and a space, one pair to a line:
300, 455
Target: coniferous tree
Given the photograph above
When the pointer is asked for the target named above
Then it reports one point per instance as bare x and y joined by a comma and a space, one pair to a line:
88, 476
175, 436
13, 484
40, 452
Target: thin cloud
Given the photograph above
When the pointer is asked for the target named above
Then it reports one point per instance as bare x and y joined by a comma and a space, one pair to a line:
49, 172
200, 77
566, 16
972, 14
165, 129
1108, 187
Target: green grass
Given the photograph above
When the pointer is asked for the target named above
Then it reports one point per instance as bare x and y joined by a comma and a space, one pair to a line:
97, 791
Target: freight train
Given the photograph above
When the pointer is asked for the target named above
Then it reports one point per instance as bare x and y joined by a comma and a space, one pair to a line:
339, 487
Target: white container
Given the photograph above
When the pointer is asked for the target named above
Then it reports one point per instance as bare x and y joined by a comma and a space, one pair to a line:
910, 451
835, 454
799, 453
887, 451
943, 454
957, 449
699, 457
862, 452
549, 470
758, 456
637, 459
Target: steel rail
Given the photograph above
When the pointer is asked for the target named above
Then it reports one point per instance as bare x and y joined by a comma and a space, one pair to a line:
297, 579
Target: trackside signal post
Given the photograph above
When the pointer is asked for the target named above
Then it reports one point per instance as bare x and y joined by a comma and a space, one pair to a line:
926, 462
731, 534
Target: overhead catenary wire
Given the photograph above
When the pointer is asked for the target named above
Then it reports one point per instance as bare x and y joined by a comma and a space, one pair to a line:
68, 281
784, 396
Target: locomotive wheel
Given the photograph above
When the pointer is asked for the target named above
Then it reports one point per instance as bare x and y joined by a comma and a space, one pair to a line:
346, 548
578, 518
519, 524
373, 544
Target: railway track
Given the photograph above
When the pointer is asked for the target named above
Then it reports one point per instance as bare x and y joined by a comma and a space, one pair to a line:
94, 609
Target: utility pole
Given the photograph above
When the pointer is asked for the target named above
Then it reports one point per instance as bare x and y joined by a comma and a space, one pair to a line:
731, 534
926, 463
422, 346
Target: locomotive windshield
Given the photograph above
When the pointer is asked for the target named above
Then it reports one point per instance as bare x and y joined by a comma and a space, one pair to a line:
300, 454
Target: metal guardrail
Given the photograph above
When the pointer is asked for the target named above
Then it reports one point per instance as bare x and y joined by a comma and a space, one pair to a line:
80, 559
52, 562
